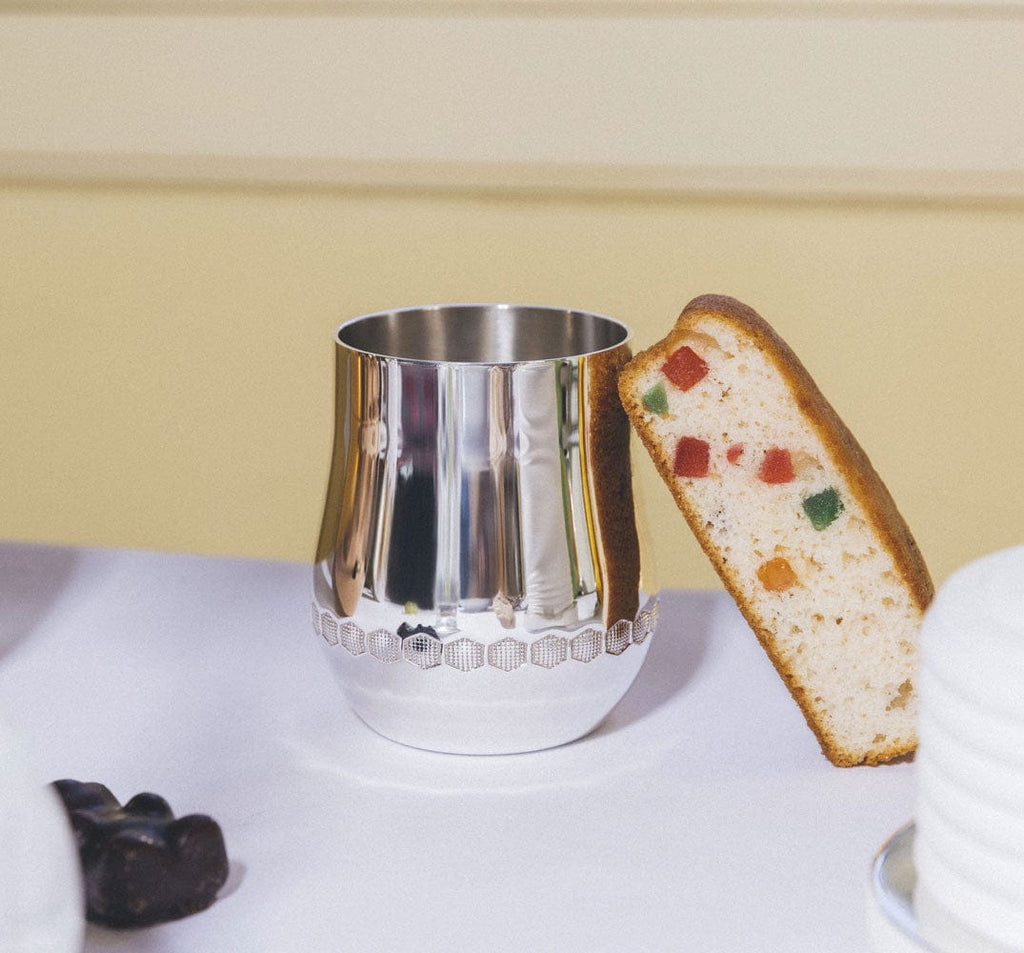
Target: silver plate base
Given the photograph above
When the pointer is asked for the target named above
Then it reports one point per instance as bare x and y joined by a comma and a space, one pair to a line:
899, 917
892, 920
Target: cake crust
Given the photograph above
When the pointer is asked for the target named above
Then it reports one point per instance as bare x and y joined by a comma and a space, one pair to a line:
845, 454
607, 431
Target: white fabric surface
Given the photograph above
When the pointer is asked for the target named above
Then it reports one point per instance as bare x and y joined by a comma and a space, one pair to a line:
701, 816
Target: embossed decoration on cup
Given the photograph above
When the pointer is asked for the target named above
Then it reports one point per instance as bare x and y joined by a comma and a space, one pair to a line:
476, 585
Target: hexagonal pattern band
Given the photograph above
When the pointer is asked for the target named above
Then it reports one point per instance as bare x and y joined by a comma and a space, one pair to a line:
467, 655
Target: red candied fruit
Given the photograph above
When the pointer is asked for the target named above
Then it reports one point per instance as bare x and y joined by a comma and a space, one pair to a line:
684, 368
776, 467
693, 457
734, 453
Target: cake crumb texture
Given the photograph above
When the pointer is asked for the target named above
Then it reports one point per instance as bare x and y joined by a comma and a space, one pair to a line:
799, 526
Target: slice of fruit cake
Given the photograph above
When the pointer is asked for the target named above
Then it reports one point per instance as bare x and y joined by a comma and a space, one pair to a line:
799, 526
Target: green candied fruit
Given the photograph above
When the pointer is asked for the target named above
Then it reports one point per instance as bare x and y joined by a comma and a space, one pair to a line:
823, 508
656, 400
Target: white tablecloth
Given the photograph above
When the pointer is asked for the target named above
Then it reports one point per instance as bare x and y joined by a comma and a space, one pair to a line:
700, 816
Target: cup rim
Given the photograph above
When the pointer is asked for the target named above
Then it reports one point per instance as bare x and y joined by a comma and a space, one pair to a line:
393, 313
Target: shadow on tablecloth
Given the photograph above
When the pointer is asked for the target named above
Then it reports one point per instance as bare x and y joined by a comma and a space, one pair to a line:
31, 579
678, 649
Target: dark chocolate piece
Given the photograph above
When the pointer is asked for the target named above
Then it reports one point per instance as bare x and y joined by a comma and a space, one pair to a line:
139, 864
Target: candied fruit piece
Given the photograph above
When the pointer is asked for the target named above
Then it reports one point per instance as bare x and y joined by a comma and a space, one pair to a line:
656, 400
685, 367
692, 458
776, 574
823, 508
734, 453
776, 467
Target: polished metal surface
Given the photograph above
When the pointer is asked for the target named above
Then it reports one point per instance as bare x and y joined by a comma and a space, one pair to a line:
903, 918
481, 333
466, 654
459, 481
893, 879
480, 479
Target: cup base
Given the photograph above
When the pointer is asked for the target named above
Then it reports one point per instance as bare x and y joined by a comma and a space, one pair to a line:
462, 696
545, 709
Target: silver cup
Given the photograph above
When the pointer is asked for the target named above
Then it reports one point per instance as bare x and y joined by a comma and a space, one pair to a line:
476, 584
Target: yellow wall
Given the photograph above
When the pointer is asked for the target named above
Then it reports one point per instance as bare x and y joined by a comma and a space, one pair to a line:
166, 353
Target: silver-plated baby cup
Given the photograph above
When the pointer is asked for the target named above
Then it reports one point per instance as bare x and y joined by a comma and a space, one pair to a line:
476, 584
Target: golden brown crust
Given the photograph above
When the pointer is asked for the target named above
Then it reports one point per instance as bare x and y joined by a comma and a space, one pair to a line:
849, 457
607, 434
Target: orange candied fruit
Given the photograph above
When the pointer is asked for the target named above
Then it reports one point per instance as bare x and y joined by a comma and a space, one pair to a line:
776, 467
776, 575
684, 367
693, 457
734, 453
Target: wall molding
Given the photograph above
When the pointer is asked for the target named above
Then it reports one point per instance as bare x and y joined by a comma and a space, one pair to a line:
524, 179
519, 8
585, 100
